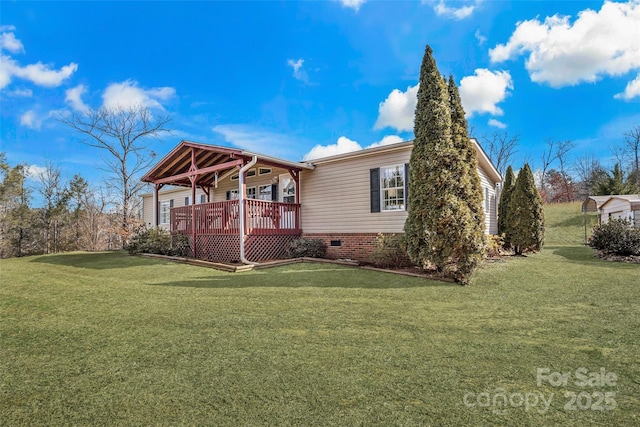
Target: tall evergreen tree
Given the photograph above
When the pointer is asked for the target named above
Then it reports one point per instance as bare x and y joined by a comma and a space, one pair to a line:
439, 213
505, 201
469, 191
525, 218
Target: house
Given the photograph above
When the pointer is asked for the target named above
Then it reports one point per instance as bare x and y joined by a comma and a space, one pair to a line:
236, 205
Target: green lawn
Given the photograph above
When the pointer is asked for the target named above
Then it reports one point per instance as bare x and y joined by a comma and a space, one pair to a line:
104, 338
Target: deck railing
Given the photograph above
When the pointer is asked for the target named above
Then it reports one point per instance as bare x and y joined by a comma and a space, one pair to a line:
261, 218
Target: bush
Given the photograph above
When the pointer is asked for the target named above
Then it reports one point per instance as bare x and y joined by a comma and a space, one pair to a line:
616, 237
494, 245
303, 247
158, 241
390, 250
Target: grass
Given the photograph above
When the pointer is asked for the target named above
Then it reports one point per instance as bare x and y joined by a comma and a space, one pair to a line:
104, 339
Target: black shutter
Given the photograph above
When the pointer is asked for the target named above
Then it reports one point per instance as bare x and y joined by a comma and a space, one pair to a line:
274, 192
186, 201
406, 186
228, 194
171, 203
374, 182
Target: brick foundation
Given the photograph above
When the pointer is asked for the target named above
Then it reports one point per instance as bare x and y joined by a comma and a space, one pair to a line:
355, 246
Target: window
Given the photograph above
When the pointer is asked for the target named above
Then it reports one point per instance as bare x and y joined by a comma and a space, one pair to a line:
250, 173
264, 171
251, 192
265, 192
392, 188
186, 201
288, 189
232, 195
203, 198
165, 211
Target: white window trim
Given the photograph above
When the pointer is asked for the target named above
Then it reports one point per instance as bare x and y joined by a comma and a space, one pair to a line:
382, 189
165, 214
264, 171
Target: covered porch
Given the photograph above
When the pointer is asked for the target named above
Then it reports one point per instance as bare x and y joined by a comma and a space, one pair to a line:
245, 227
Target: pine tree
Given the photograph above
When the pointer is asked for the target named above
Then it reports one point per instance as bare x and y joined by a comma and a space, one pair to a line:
503, 207
525, 218
441, 226
471, 225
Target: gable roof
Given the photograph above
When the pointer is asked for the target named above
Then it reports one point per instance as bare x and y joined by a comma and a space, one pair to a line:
632, 199
176, 167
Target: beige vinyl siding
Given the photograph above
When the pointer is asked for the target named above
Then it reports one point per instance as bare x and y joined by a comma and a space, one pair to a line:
336, 196
490, 216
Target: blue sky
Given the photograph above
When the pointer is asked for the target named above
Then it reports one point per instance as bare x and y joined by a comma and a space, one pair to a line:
306, 79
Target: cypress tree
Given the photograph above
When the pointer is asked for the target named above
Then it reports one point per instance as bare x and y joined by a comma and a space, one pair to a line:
440, 228
525, 218
471, 214
505, 200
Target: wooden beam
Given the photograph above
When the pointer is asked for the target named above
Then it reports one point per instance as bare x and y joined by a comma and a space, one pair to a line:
196, 172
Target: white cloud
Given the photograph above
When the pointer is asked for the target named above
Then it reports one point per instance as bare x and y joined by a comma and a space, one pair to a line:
387, 140
482, 39
128, 94
458, 13
497, 124
631, 91
8, 41
598, 43
73, 97
298, 72
482, 91
35, 171
38, 73
398, 110
353, 4
31, 120
20, 93
258, 140
344, 145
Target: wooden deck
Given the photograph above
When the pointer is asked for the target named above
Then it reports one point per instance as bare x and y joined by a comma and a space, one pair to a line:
269, 229
261, 218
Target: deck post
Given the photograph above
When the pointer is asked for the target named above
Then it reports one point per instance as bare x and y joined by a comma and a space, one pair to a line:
193, 180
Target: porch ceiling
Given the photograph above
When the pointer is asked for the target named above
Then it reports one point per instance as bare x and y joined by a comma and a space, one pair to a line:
177, 167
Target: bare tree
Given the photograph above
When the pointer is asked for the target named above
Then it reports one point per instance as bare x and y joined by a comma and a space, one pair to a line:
591, 173
123, 133
500, 147
555, 151
55, 196
632, 145
562, 154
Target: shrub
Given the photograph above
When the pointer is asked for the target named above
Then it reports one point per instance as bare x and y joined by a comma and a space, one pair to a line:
494, 245
303, 247
157, 241
616, 237
390, 250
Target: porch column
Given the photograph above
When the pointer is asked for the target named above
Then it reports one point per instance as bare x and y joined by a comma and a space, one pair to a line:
156, 202
193, 180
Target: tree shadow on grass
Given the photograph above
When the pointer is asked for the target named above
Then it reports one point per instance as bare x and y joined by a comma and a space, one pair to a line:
585, 255
95, 260
326, 277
